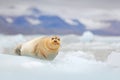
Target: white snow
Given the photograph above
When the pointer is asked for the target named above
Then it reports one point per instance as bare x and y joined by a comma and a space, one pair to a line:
76, 60
87, 36
113, 59
71, 22
33, 21
9, 20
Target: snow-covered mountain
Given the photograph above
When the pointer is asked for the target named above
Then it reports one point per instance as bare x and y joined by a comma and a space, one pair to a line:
37, 22
44, 24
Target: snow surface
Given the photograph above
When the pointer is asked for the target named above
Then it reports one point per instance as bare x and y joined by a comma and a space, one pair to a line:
77, 60
9, 20
33, 21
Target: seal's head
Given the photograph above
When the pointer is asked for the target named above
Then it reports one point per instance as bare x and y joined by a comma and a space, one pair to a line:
55, 41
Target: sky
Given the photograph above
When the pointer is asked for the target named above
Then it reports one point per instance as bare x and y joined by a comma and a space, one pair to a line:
105, 4
91, 13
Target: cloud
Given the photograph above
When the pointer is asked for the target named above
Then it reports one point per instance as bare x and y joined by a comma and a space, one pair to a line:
91, 13
106, 4
14, 10
90, 24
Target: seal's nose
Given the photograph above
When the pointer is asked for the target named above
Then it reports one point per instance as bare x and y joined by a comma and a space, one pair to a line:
55, 41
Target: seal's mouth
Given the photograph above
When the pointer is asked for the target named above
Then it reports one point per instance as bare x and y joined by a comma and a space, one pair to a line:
56, 43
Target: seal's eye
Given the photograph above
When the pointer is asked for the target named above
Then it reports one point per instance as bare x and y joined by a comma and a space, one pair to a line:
58, 39
52, 38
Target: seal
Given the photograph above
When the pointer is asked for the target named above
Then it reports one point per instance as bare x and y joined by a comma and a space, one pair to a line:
44, 48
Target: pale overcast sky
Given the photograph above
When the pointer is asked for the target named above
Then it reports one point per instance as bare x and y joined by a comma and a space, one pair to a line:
106, 4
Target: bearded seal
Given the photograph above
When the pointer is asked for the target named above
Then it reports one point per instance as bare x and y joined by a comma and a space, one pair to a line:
44, 48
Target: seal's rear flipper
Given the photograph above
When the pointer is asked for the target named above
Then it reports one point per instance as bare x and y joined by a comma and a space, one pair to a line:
18, 50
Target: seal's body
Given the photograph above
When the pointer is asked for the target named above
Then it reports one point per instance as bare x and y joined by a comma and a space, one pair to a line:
45, 48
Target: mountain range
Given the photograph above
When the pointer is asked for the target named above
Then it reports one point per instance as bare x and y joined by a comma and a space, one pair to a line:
38, 23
